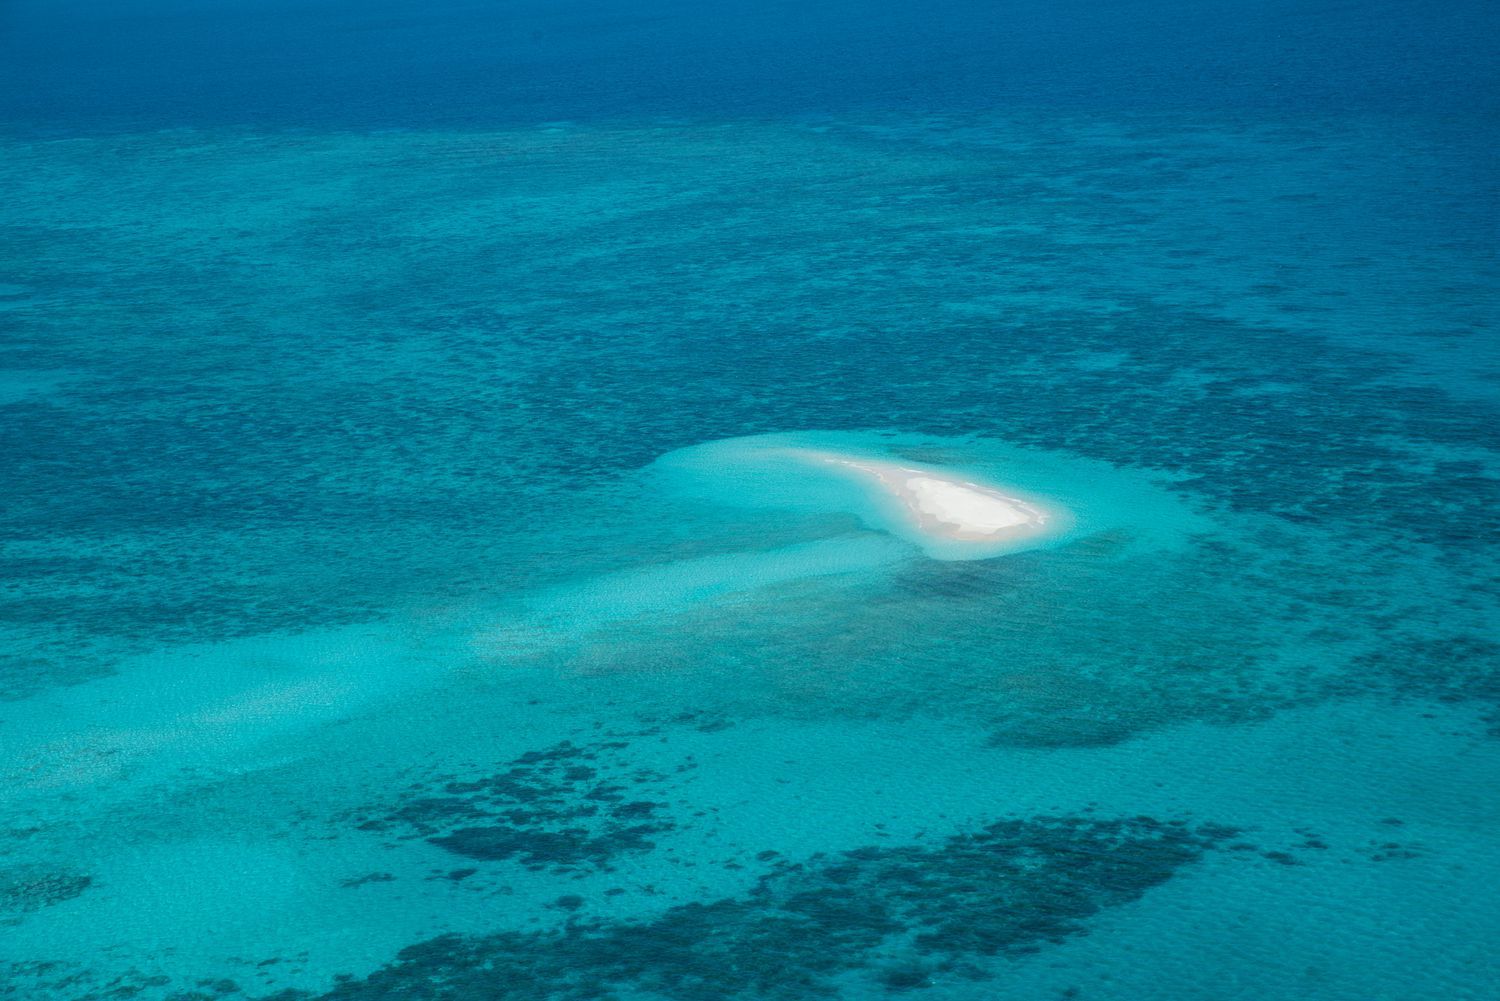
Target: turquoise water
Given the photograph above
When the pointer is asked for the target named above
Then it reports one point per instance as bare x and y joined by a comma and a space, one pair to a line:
395, 606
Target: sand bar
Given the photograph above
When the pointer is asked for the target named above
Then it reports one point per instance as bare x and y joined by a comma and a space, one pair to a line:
943, 505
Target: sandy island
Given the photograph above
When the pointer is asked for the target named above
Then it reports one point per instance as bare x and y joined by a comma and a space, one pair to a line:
944, 506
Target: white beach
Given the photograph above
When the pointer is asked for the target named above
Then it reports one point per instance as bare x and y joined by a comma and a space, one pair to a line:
946, 506
970, 502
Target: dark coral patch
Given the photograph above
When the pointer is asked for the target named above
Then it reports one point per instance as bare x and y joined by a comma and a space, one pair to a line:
557, 808
32, 889
1450, 669
903, 918
372, 877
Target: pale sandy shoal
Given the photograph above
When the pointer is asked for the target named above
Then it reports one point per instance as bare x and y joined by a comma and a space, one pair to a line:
943, 505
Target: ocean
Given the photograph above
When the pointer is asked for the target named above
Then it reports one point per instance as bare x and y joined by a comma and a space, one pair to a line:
406, 596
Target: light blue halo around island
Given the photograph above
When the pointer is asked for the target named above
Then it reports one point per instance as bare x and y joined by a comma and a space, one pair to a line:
955, 499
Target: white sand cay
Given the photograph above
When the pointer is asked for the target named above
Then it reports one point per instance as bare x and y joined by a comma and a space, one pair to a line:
950, 512
946, 506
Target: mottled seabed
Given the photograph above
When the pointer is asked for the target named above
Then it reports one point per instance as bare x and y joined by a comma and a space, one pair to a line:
361, 644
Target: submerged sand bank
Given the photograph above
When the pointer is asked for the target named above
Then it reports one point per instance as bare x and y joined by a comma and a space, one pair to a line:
954, 499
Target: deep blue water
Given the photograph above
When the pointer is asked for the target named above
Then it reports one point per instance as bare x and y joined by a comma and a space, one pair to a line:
77, 64
404, 592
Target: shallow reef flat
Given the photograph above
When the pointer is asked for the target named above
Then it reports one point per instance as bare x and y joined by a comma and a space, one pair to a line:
960, 555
